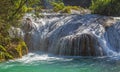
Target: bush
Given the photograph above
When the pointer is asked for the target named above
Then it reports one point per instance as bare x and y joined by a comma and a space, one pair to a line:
57, 6
106, 7
60, 7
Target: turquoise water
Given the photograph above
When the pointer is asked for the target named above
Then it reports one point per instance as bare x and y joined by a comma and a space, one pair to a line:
46, 63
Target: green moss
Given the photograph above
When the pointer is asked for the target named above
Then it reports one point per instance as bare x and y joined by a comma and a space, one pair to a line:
22, 48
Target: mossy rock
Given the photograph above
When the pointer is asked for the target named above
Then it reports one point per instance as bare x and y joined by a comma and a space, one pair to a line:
22, 48
18, 50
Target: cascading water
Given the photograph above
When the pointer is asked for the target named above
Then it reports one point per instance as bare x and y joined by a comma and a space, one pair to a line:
73, 35
67, 43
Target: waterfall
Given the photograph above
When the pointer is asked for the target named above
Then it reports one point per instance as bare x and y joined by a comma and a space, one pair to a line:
73, 35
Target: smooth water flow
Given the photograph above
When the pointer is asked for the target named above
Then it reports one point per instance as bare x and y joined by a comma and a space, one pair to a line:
73, 35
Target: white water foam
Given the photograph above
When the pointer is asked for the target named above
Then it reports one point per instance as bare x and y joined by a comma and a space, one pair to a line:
62, 35
39, 56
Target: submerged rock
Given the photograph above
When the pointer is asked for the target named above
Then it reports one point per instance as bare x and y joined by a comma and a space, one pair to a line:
74, 35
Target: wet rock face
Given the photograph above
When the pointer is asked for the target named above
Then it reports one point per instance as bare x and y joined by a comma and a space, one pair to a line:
81, 45
89, 46
27, 27
82, 3
74, 35
107, 21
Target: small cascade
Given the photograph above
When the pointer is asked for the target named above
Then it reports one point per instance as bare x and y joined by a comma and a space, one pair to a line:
73, 35
112, 36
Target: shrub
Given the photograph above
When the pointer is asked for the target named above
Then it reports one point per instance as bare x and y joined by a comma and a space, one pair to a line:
57, 6
60, 7
106, 7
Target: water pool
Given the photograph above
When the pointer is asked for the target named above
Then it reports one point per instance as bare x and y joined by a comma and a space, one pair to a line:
47, 63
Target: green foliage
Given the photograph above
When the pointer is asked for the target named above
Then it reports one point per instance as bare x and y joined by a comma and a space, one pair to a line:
29, 9
13, 10
106, 7
2, 48
22, 48
11, 13
4, 40
60, 7
4, 54
17, 48
68, 9
37, 12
